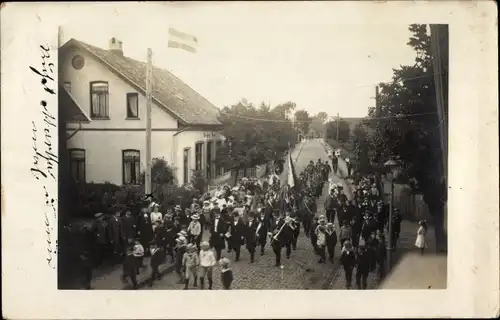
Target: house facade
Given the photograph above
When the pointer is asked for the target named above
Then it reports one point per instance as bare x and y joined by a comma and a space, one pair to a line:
106, 128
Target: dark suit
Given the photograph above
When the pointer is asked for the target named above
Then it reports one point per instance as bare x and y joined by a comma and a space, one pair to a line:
115, 235
157, 259
100, 241
362, 269
331, 243
330, 207
251, 237
262, 233
128, 229
217, 233
146, 230
237, 230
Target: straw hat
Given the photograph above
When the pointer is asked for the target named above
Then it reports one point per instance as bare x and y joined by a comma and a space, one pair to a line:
195, 216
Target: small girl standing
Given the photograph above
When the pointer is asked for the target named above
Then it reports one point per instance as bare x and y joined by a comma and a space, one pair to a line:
421, 232
226, 274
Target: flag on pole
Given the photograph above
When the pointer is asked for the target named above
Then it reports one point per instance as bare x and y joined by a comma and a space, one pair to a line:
292, 176
181, 40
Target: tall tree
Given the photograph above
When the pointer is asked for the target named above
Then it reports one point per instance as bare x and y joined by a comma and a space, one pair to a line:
322, 116
302, 121
410, 129
343, 130
317, 126
255, 135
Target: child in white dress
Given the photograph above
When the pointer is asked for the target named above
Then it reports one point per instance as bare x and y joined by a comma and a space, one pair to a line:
421, 233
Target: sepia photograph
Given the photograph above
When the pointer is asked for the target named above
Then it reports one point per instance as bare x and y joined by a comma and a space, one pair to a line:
212, 156
311, 156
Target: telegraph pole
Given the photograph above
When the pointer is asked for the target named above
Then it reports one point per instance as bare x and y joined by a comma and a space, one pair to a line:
377, 101
338, 120
149, 95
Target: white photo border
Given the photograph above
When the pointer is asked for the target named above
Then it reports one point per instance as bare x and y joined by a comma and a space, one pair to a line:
30, 286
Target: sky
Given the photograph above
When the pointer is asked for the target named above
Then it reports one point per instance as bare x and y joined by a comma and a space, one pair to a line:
300, 52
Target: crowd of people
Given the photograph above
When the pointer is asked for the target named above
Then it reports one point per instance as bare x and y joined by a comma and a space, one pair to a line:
254, 215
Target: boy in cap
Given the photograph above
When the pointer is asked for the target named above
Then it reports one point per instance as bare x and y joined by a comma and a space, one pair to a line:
179, 254
226, 274
194, 230
190, 262
157, 257
130, 267
207, 262
138, 252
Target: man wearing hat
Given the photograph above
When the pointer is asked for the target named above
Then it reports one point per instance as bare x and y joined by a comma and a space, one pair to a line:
348, 259
251, 235
194, 230
100, 238
129, 225
331, 206
261, 231
331, 240
237, 234
217, 233
362, 267
116, 236
145, 229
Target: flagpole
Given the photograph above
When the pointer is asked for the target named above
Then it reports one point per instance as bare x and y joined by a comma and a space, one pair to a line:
149, 94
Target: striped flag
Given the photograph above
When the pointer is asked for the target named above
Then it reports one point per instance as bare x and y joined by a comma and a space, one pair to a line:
181, 40
292, 176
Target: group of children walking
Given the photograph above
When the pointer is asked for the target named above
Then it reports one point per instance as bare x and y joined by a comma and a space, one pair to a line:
191, 264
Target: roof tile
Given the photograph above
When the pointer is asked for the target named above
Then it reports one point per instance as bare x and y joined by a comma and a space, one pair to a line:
176, 96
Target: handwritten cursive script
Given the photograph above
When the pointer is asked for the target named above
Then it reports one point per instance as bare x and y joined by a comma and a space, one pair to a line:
45, 158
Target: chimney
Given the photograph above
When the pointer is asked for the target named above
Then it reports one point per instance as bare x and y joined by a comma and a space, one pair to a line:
116, 46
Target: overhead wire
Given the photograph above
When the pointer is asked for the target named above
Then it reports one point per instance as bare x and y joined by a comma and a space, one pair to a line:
367, 118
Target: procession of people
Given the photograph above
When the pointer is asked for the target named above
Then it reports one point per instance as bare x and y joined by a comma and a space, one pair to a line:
257, 216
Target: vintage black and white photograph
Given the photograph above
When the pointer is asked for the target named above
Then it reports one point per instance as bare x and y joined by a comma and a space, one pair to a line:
310, 156
201, 154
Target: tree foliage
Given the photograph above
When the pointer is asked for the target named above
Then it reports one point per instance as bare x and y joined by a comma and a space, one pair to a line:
361, 149
414, 138
318, 125
322, 116
255, 135
302, 121
343, 129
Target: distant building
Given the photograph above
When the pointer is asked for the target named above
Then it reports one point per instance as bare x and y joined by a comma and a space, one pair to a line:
103, 99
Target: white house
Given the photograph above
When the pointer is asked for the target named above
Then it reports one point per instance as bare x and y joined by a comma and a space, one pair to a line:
103, 96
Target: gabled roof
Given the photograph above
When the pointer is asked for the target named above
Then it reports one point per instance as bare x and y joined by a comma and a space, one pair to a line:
71, 111
169, 92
